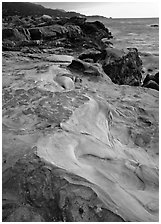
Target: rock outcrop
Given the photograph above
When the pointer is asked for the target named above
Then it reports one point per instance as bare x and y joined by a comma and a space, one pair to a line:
80, 141
151, 81
74, 30
122, 173
123, 68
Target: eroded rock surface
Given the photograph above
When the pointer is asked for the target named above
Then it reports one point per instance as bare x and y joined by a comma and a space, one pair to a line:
76, 146
124, 176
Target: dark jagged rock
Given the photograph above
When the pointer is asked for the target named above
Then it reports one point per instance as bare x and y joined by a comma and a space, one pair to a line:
149, 77
154, 25
73, 31
92, 71
96, 28
12, 34
85, 67
90, 54
77, 32
156, 78
123, 69
152, 85
151, 81
35, 33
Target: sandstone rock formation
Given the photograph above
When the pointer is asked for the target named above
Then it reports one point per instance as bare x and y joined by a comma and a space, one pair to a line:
126, 175
80, 140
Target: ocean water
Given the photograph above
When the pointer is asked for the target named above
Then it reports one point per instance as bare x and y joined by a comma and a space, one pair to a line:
136, 33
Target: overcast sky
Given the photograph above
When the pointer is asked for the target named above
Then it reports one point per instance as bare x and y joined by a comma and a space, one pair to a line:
114, 9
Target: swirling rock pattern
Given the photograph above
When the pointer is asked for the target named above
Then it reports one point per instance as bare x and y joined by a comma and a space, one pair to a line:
125, 178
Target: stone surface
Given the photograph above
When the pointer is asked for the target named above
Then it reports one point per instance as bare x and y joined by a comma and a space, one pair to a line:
123, 69
151, 81
89, 153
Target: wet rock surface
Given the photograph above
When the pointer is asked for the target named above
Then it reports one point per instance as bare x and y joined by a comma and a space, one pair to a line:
51, 130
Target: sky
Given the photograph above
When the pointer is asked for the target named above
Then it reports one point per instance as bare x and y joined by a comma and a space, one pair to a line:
137, 9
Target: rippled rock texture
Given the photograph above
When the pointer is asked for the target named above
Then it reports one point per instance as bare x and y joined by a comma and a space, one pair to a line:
124, 176
89, 153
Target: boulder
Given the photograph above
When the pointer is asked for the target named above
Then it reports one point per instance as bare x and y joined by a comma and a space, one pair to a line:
151, 81
25, 32
65, 82
154, 25
97, 29
8, 45
35, 33
48, 32
149, 77
46, 17
152, 85
73, 31
12, 34
156, 78
106, 42
84, 67
61, 30
93, 71
123, 68
90, 54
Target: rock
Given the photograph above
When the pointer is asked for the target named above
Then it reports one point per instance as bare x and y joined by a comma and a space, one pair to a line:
24, 214
106, 42
154, 78
73, 31
90, 54
8, 45
123, 68
61, 30
154, 25
111, 55
65, 82
96, 28
48, 33
147, 79
12, 34
25, 32
52, 195
85, 67
152, 85
77, 20
88, 144
93, 72
89, 60
35, 33
46, 17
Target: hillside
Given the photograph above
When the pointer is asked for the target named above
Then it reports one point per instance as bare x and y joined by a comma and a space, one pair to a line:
30, 9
